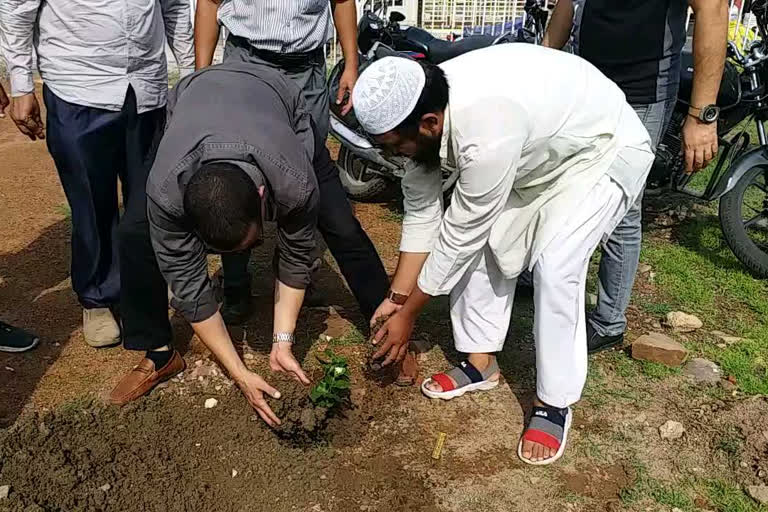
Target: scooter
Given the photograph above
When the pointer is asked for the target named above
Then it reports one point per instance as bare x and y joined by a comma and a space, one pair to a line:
366, 173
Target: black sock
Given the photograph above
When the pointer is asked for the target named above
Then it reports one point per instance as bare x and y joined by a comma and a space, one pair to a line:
159, 357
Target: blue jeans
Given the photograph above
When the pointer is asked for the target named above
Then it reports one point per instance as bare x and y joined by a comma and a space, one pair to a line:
621, 253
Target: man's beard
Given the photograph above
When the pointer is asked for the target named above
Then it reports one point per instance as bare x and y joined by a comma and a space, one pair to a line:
429, 150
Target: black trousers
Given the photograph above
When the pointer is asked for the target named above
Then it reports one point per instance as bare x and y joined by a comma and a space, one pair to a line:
349, 244
112, 257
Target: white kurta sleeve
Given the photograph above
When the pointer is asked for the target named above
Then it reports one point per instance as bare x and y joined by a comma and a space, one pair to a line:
423, 205
488, 154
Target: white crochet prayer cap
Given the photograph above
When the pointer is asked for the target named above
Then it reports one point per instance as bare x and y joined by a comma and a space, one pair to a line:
386, 93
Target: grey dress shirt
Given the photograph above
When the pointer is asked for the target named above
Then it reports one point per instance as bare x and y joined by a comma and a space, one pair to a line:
283, 26
252, 116
90, 51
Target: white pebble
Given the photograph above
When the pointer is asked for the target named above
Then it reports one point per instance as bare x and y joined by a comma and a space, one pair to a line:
234, 473
211, 403
105, 487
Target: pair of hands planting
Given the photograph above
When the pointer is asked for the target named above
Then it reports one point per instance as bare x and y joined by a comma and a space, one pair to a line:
395, 332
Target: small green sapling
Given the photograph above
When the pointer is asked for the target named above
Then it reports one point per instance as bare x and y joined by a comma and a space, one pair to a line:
333, 388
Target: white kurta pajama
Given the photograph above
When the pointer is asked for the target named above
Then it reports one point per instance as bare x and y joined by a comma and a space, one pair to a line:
550, 157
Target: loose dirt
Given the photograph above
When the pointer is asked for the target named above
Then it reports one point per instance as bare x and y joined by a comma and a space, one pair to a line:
200, 459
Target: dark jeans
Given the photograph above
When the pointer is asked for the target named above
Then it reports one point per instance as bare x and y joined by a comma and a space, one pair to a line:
112, 258
349, 244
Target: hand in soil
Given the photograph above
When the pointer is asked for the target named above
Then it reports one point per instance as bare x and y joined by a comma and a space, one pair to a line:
254, 387
395, 333
386, 309
281, 360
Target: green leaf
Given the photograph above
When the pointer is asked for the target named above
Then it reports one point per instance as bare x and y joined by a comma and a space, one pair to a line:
341, 384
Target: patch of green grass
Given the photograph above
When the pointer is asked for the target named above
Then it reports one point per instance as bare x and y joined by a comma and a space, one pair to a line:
730, 443
659, 309
698, 274
351, 337
658, 371
393, 216
64, 210
623, 365
727, 497
647, 487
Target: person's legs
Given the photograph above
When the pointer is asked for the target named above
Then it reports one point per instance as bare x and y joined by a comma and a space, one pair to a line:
86, 145
144, 297
559, 320
144, 293
349, 244
621, 253
480, 305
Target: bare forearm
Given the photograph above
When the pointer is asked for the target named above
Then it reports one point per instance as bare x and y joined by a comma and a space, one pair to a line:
709, 47
206, 32
345, 19
214, 335
408, 269
287, 306
559, 29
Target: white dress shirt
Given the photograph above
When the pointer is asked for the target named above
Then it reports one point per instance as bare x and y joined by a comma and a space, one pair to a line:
90, 51
531, 132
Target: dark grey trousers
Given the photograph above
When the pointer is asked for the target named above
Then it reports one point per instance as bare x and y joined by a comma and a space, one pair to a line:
353, 250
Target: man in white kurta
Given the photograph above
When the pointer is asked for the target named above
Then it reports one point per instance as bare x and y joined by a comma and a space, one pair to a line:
545, 173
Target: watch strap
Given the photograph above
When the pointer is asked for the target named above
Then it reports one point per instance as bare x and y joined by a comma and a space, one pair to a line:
397, 298
283, 337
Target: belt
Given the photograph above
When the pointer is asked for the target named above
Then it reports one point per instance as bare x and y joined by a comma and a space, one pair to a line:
297, 59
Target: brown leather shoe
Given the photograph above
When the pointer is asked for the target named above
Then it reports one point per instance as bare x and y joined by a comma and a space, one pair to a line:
140, 381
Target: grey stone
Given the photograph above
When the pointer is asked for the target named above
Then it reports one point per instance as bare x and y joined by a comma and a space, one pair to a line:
659, 348
726, 338
683, 322
759, 493
702, 371
4, 491
105, 487
644, 268
671, 430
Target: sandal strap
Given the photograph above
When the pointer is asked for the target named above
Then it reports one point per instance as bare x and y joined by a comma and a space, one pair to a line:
546, 426
463, 375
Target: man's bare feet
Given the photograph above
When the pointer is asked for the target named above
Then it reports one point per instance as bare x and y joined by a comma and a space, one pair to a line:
479, 361
536, 452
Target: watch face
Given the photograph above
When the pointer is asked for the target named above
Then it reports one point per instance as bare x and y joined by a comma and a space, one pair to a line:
710, 114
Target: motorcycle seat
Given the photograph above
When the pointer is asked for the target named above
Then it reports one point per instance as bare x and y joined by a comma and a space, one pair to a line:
441, 50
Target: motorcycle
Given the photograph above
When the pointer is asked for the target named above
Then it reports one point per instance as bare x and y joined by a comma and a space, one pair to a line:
366, 173
739, 179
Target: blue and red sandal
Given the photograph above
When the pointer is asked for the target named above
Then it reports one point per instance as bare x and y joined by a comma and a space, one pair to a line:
461, 379
549, 427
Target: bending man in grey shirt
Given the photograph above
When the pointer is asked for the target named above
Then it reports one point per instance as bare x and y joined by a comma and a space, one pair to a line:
240, 148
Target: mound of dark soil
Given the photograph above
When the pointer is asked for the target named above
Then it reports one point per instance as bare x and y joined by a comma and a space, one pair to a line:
302, 421
169, 453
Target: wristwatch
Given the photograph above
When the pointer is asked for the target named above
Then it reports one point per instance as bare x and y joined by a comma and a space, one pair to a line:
396, 298
707, 115
282, 337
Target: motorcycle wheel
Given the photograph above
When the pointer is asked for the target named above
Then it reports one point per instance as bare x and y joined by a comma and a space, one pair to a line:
359, 182
744, 221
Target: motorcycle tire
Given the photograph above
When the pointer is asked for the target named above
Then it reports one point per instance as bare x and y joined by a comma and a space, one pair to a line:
372, 188
733, 228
